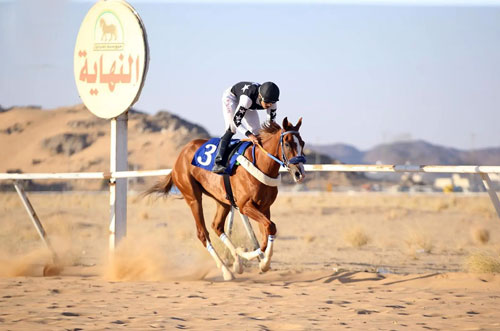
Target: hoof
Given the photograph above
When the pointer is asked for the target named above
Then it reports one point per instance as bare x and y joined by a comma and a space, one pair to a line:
265, 265
227, 274
237, 266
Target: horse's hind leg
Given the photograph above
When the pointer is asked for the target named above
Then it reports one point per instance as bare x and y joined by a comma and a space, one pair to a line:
218, 226
193, 197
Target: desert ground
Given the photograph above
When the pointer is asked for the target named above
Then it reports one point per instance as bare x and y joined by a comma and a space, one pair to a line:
341, 261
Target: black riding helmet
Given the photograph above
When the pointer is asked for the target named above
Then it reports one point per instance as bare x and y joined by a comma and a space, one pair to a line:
270, 92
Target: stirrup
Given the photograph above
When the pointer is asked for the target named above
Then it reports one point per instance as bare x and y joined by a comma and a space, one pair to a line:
218, 169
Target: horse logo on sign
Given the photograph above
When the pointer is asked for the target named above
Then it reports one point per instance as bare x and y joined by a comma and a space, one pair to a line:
108, 32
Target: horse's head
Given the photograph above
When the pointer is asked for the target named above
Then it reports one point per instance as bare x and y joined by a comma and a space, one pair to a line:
292, 150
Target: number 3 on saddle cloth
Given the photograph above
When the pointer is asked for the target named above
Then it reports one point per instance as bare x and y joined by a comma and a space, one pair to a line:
205, 155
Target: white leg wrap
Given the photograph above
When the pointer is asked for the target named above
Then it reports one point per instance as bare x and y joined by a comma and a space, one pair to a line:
225, 271
265, 263
237, 267
225, 239
250, 255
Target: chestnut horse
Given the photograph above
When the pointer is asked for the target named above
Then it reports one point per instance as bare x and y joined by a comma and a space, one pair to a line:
252, 197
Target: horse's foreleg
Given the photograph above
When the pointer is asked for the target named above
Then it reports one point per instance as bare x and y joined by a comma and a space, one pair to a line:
226, 273
265, 251
237, 266
265, 257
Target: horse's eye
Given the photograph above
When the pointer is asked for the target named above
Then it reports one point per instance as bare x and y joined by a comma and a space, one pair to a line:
287, 145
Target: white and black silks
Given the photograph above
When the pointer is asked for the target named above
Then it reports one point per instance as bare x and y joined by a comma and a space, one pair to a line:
239, 105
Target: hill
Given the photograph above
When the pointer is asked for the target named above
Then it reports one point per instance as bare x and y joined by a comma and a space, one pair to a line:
71, 139
413, 152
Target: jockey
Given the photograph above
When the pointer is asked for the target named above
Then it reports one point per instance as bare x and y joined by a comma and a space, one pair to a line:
239, 105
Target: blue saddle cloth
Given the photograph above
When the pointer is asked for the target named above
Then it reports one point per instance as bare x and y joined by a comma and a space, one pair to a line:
205, 155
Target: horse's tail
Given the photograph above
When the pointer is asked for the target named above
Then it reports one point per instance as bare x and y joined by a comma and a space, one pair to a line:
162, 187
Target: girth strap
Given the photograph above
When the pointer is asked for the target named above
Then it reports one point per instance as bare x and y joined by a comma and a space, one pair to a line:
229, 191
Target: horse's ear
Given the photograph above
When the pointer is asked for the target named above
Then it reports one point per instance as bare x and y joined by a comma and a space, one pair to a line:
286, 124
299, 123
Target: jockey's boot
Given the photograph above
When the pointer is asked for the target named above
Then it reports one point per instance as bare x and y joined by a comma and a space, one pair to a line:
219, 166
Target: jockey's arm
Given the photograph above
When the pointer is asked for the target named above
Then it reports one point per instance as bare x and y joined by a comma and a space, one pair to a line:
241, 109
271, 113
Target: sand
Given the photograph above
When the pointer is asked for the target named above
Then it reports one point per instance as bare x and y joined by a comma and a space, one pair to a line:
361, 261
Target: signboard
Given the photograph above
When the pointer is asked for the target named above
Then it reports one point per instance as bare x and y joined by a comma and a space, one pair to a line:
111, 58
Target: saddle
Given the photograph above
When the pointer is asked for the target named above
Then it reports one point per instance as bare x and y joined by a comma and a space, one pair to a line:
205, 158
205, 155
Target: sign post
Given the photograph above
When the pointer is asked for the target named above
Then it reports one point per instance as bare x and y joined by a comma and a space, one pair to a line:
110, 64
118, 186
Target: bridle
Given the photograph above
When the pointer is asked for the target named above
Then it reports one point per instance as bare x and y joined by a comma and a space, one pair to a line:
285, 163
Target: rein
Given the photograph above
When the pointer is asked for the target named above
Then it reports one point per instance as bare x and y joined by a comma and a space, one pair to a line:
285, 163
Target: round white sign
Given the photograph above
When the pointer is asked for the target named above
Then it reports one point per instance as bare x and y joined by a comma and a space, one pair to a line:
111, 58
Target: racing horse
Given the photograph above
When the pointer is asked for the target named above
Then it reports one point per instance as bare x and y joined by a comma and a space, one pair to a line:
254, 192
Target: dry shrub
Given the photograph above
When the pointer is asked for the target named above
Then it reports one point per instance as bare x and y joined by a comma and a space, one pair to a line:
482, 263
480, 235
395, 213
441, 205
308, 238
328, 210
419, 240
144, 215
356, 236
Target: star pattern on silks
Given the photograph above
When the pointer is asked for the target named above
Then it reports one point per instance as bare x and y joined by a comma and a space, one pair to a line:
245, 88
238, 117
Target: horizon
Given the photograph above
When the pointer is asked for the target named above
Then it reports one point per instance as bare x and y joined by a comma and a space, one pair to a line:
365, 74
321, 145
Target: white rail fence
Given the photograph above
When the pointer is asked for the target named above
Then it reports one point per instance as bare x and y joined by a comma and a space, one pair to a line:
482, 171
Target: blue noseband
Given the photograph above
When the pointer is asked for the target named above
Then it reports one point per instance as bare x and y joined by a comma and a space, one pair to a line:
297, 159
294, 160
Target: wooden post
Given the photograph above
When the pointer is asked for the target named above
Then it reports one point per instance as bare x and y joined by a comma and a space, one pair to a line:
118, 186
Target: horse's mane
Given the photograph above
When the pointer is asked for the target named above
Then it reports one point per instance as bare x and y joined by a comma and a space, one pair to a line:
268, 129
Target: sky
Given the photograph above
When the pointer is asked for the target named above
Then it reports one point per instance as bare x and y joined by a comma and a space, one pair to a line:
358, 72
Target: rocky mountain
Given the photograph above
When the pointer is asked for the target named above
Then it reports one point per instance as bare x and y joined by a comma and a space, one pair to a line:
413, 152
71, 139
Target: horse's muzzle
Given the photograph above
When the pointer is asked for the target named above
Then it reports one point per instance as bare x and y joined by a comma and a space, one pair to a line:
297, 172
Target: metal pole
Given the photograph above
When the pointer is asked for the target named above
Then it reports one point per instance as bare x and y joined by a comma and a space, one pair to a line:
249, 229
230, 222
35, 220
491, 192
118, 186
